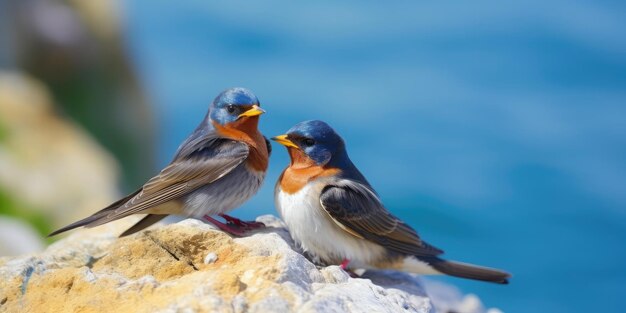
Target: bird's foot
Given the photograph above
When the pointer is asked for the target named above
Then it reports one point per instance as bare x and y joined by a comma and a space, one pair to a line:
228, 228
242, 224
344, 266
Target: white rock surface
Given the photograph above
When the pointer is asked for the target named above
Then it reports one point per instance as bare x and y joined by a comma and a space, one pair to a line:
173, 269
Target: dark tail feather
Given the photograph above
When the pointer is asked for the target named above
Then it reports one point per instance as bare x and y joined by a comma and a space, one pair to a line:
469, 271
96, 216
83, 222
144, 223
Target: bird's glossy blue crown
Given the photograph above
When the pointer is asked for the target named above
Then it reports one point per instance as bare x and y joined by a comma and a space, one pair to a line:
318, 140
230, 103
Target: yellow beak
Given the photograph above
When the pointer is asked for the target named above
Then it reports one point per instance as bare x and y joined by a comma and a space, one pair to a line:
255, 110
283, 140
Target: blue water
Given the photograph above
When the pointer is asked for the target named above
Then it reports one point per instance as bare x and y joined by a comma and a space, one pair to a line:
498, 130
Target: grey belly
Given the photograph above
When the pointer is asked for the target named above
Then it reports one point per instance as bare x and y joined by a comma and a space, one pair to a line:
225, 194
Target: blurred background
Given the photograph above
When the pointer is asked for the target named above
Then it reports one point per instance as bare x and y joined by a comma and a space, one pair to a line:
498, 130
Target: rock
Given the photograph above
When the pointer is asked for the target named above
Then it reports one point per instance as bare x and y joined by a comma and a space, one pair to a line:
78, 50
447, 298
210, 258
47, 162
17, 237
191, 267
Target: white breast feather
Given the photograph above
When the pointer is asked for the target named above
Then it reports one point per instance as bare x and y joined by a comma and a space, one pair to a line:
315, 231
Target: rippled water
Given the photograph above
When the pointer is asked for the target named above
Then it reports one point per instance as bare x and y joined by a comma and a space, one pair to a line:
497, 130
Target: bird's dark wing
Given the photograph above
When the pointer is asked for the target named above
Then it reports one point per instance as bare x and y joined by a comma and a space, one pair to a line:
202, 164
96, 216
199, 162
144, 223
358, 210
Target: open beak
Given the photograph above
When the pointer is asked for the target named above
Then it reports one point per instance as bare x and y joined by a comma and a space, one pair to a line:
283, 140
255, 110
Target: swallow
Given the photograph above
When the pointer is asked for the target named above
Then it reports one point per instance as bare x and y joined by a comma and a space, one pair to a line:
336, 216
216, 169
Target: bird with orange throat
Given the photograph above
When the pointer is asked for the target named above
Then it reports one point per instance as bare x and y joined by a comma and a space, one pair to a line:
335, 215
216, 169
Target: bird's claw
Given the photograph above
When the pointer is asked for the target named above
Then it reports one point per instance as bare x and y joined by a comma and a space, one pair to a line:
252, 225
344, 264
233, 225
344, 267
245, 226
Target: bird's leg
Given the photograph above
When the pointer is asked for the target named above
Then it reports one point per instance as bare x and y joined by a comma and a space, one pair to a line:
229, 228
344, 266
245, 225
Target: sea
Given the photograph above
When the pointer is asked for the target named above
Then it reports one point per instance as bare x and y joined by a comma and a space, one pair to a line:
497, 129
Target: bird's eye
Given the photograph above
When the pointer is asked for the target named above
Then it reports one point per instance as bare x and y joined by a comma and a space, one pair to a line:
231, 109
308, 142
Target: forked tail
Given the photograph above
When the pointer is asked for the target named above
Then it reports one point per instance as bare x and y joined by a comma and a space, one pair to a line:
435, 265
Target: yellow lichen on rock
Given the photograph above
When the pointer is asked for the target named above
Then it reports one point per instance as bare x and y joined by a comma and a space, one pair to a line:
163, 270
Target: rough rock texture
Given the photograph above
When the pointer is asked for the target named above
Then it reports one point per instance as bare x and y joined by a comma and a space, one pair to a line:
191, 267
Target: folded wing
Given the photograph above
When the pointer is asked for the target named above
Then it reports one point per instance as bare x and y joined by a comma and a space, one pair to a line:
201, 161
357, 209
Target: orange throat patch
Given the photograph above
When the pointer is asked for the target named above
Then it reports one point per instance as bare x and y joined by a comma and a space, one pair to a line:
301, 171
246, 130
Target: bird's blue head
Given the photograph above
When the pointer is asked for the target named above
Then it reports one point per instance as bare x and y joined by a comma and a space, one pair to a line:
235, 104
314, 139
